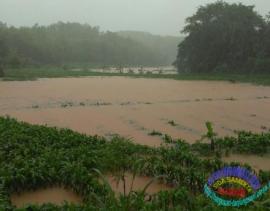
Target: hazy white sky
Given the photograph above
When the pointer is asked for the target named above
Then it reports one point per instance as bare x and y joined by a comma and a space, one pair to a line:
166, 17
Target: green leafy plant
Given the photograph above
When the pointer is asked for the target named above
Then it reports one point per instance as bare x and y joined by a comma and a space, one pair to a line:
210, 135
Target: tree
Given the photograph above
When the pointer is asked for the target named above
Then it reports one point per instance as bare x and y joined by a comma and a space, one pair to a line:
3, 52
14, 59
220, 37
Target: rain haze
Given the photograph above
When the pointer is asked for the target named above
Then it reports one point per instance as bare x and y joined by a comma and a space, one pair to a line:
164, 17
107, 105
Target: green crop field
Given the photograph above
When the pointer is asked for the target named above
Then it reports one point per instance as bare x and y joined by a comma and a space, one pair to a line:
34, 156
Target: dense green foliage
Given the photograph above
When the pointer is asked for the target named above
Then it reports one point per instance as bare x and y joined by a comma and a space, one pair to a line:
38, 156
223, 37
73, 43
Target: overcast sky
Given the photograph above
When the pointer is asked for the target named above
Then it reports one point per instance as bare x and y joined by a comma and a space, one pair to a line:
165, 17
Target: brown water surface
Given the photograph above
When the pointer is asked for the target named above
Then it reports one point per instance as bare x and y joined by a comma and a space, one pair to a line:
254, 161
54, 195
138, 184
134, 107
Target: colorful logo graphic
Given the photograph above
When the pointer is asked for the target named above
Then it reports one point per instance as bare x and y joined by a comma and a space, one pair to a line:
234, 186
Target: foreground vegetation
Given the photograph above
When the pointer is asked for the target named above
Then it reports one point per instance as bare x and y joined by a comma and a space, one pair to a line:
57, 72
34, 156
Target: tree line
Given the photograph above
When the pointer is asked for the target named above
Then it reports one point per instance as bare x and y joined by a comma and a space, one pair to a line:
165, 46
223, 37
73, 43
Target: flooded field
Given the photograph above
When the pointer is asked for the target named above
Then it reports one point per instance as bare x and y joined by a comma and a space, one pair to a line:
59, 195
135, 107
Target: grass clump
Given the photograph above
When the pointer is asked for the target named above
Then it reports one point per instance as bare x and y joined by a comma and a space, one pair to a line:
67, 104
82, 104
231, 99
35, 106
172, 123
155, 133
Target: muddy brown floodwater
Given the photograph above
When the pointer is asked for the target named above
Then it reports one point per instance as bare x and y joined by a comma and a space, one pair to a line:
256, 162
54, 195
134, 107
136, 184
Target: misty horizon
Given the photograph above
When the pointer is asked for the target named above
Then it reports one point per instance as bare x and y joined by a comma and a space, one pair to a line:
157, 17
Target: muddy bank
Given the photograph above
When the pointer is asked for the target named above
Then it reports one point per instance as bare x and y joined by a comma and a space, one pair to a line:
53, 195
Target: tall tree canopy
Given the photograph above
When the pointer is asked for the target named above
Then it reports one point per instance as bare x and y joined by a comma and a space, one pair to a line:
223, 37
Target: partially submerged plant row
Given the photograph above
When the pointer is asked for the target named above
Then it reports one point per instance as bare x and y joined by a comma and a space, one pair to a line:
245, 142
34, 156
